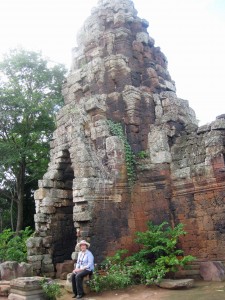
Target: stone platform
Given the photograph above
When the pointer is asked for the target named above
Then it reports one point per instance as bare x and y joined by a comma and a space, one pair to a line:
26, 288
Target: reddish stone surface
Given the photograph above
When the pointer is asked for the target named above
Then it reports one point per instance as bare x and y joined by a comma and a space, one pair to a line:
212, 271
62, 269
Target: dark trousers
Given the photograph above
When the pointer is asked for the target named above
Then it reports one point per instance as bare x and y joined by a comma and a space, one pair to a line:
77, 281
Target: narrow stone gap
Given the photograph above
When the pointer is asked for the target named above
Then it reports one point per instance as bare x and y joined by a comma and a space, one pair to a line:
64, 231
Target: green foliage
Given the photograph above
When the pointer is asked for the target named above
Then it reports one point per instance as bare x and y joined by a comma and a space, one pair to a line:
158, 257
116, 259
142, 154
115, 274
116, 278
30, 96
12, 246
117, 129
159, 244
51, 288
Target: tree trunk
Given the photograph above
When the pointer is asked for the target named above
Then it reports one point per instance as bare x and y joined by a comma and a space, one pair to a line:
11, 213
20, 184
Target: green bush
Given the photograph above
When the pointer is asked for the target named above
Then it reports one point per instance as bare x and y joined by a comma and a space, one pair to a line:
12, 246
51, 288
115, 274
160, 249
158, 256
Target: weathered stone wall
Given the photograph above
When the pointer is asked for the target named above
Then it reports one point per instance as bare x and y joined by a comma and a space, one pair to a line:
198, 177
118, 74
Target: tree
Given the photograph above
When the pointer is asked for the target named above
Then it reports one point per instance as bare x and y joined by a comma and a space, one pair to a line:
30, 95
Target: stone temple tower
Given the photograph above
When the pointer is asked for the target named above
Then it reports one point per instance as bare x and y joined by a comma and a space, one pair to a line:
118, 74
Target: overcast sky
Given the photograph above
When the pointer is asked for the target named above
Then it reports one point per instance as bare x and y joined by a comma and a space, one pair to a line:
191, 33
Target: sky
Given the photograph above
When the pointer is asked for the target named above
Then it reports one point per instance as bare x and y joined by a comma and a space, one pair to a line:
191, 33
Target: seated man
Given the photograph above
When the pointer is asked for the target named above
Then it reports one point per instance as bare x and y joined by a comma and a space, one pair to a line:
84, 266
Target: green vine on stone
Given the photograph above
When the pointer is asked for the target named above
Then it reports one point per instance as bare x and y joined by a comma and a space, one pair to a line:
117, 130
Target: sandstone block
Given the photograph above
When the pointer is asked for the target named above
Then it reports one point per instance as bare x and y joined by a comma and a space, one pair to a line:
212, 271
47, 259
24, 269
82, 216
176, 283
142, 37
159, 151
35, 258
26, 288
11, 269
65, 267
218, 124
40, 194
8, 270
4, 288
40, 218
48, 210
45, 183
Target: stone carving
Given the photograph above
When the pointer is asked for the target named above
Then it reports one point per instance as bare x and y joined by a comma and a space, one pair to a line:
117, 73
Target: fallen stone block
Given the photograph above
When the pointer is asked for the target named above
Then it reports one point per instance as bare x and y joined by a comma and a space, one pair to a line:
8, 270
26, 288
12, 269
64, 268
212, 271
176, 283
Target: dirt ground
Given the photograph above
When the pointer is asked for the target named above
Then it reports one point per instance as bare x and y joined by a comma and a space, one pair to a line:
201, 291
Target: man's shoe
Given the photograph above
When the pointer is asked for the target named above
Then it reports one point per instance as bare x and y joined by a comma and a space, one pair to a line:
79, 296
74, 296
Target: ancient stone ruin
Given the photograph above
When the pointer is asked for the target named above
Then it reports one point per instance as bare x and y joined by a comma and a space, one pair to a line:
118, 74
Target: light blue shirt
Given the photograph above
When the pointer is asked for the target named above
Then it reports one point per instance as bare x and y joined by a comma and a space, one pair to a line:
85, 260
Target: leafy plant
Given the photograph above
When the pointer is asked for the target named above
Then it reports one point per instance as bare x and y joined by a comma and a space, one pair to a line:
142, 154
117, 129
160, 249
115, 274
158, 257
51, 288
12, 246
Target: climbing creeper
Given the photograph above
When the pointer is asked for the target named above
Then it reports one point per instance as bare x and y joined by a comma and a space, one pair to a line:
117, 129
